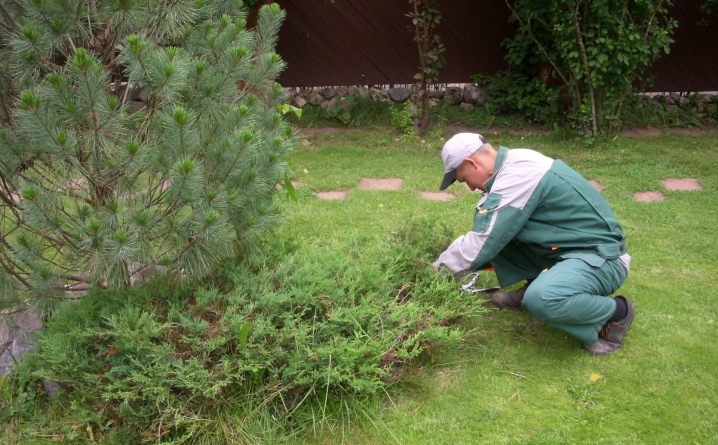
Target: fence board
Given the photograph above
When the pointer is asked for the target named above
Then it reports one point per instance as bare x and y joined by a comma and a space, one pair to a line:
369, 42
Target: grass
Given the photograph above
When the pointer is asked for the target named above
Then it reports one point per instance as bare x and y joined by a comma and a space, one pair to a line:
514, 380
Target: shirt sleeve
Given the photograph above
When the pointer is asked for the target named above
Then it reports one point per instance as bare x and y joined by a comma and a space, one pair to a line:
499, 217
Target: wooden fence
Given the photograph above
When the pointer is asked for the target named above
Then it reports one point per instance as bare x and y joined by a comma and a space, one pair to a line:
369, 42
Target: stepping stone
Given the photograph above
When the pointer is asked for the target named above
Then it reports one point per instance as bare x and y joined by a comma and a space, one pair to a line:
681, 184
336, 195
648, 196
597, 185
437, 196
381, 184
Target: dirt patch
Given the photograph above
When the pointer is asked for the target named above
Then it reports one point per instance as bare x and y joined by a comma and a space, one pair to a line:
437, 196
316, 131
695, 131
652, 131
381, 184
493, 131
648, 196
641, 132
681, 184
597, 185
334, 195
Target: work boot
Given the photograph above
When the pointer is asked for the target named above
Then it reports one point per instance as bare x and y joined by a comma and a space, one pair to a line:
610, 339
509, 299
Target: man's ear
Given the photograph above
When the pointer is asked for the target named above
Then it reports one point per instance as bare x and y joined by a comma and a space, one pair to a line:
470, 161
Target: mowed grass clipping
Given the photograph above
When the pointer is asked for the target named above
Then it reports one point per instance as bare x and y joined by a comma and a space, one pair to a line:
514, 380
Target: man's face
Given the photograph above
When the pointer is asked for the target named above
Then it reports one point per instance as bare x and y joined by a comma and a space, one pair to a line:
471, 173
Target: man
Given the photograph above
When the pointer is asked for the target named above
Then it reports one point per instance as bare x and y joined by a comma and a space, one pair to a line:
541, 221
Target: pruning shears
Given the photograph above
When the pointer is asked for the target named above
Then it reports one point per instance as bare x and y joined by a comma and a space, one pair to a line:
470, 281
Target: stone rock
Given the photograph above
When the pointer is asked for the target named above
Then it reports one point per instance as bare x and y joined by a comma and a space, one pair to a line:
140, 273
122, 89
328, 93
399, 94
16, 337
53, 388
299, 101
651, 196
466, 106
437, 196
335, 195
453, 96
328, 103
474, 95
304, 92
700, 107
343, 104
379, 94
381, 183
342, 92
13, 196
137, 105
436, 94
362, 92
315, 98
681, 184
338, 102
416, 93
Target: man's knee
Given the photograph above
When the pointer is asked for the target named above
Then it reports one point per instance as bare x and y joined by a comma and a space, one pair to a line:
542, 301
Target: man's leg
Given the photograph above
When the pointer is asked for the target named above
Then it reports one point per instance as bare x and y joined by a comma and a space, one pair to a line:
572, 296
513, 265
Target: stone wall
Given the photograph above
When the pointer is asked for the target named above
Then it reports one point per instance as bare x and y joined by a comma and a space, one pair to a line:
464, 96
468, 96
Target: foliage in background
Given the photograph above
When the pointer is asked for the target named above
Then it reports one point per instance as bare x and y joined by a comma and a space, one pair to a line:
592, 51
109, 186
425, 18
709, 9
269, 338
526, 95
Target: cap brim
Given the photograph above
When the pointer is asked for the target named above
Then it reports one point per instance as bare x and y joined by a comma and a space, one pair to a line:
449, 178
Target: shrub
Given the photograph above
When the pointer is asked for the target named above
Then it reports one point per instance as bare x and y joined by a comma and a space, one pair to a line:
266, 338
594, 51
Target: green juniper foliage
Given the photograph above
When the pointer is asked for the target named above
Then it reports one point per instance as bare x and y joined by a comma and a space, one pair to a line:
139, 133
268, 335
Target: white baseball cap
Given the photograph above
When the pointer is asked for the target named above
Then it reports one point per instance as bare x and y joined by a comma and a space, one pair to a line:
456, 149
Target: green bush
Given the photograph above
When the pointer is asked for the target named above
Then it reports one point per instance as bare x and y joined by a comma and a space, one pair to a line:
526, 96
263, 339
594, 51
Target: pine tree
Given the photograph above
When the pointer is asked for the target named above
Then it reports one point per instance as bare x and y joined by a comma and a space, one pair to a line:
136, 133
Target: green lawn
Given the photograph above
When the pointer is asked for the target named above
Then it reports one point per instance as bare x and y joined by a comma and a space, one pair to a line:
514, 380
